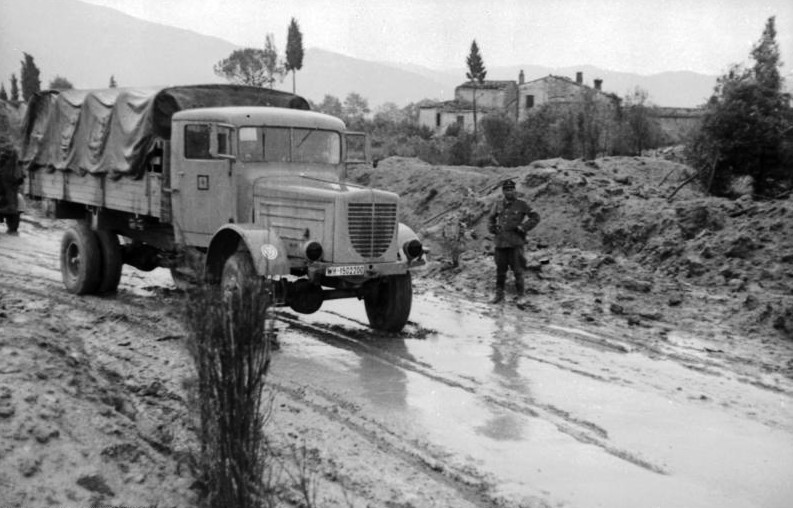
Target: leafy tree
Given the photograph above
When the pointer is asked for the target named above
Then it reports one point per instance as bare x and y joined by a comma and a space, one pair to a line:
3, 93
534, 137
14, 88
498, 130
245, 67
330, 105
112, 83
476, 73
294, 50
747, 126
60, 83
355, 109
640, 131
390, 114
274, 69
31, 82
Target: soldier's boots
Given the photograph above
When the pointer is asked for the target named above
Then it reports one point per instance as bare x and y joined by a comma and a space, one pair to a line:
498, 297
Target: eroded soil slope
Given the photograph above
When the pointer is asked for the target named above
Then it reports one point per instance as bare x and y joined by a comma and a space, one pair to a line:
611, 248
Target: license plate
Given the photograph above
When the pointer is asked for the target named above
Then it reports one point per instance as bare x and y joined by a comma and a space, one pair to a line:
344, 271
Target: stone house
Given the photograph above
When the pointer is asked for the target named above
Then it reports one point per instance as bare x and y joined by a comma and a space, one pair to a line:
561, 91
491, 97
510, 98
517, 99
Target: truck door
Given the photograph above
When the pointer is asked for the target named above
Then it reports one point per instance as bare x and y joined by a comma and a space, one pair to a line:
202, 179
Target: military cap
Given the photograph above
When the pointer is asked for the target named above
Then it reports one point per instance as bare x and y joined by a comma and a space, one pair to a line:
508, 184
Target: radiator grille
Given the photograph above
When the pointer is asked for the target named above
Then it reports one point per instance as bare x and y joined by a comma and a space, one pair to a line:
371, 227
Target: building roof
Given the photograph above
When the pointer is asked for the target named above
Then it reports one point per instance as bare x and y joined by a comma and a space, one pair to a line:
491, 85
455, 106
573, 82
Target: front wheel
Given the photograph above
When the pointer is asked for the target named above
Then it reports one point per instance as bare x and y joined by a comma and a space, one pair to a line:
388, 306
81, 260
112, 261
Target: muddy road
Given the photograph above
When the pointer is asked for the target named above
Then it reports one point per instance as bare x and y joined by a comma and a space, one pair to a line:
472, 405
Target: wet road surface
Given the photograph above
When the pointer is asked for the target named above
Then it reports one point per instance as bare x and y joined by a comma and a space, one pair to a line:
554, 414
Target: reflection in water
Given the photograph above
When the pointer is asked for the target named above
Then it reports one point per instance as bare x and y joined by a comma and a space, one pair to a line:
507, 345
382, 382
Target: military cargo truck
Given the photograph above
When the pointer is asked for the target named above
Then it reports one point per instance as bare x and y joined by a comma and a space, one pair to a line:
217, 183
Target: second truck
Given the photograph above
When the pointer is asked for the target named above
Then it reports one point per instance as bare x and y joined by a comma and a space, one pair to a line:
217, 182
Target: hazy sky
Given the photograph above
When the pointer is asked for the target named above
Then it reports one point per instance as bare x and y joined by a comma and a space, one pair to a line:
639, 36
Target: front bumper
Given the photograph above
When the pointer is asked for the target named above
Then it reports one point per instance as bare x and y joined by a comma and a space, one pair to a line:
318, 271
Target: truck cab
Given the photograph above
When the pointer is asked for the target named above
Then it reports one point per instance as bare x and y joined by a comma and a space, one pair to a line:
270, 183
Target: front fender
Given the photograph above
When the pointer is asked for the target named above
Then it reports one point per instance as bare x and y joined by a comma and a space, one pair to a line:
266, 248
404, 235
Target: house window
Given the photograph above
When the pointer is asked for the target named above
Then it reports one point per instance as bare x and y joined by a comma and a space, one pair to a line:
460, 120
438, 119
529, 102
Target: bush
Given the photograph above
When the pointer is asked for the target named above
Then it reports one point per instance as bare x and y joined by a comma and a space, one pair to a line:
229, 342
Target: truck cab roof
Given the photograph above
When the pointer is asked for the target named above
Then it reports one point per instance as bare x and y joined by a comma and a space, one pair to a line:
260, 116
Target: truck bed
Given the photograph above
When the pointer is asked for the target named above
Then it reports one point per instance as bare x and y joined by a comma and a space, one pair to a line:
143, 196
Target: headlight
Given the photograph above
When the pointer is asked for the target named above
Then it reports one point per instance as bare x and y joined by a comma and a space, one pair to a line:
413, 249
312, 251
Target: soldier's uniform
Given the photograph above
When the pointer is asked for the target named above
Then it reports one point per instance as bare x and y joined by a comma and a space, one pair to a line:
509, 220
10, 180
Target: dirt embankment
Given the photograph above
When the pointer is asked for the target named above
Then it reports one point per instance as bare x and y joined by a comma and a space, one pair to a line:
611, 249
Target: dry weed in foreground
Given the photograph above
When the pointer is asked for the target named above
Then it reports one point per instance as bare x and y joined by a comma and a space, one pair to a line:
229, 341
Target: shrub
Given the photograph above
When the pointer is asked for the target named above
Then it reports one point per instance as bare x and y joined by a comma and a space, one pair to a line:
229, 342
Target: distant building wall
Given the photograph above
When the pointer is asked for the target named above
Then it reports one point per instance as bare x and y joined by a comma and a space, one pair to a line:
440, 118
489, 95
559, 90
677, 123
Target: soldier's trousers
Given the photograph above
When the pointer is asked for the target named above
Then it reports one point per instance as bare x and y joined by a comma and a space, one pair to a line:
510, 258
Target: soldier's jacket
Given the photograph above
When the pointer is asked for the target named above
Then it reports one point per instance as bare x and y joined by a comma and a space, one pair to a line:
10, 180
511, 221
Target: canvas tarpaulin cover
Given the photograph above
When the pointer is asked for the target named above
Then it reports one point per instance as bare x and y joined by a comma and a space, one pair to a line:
113, 131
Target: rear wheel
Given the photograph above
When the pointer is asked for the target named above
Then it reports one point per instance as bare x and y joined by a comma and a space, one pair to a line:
388, 307
112, 261
81, 260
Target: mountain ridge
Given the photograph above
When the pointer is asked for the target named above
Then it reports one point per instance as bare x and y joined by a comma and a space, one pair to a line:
142, 53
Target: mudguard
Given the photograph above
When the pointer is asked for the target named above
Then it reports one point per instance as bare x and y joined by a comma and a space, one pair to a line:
405, 234
265, 246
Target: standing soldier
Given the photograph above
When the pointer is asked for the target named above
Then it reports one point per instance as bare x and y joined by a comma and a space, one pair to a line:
10, 180
509, 220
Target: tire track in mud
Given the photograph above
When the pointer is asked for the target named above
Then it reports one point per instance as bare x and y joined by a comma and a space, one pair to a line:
472, 487
583, 431
120, 359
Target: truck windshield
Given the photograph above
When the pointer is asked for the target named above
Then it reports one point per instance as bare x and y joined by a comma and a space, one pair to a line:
289, 144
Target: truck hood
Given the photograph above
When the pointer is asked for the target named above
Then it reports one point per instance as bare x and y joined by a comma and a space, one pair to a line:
351, 222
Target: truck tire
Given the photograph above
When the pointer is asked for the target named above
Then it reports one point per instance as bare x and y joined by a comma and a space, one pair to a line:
112, 261
81, 260
388, 308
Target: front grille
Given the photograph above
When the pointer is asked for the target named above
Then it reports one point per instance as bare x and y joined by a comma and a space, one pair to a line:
371, 227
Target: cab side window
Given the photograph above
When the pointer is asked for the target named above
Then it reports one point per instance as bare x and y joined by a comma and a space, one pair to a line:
196, 141
224, 140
